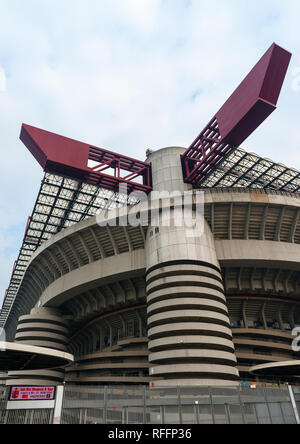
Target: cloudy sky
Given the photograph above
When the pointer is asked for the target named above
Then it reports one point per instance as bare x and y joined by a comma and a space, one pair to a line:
129, 75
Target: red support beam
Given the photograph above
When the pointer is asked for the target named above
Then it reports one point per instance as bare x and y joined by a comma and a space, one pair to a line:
58, 154
245, 110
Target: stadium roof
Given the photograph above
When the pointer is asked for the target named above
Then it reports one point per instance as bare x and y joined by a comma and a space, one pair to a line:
248, 170
64, 201
61, 202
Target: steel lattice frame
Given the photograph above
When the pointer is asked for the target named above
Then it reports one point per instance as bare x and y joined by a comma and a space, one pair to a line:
61, 202
85, 162
248, 170
245, 110
205, 153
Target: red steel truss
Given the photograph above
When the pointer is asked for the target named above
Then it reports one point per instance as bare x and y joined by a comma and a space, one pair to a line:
251, 103
97, 166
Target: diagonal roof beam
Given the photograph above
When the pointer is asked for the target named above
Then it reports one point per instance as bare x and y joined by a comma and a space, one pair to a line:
245, 110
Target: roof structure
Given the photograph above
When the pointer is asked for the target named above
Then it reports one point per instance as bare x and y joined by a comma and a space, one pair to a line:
61, 202
249, 106
88, 163
248, 170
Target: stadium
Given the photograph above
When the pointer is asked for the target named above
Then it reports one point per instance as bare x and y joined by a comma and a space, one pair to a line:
154, 304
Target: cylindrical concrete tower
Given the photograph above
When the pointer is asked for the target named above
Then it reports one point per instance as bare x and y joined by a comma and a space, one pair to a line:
46, 328
190, 339
43, 327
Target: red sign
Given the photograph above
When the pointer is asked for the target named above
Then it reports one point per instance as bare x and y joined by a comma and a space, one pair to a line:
31, 393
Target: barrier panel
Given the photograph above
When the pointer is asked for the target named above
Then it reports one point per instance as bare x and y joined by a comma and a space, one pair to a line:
181, 405
79, 404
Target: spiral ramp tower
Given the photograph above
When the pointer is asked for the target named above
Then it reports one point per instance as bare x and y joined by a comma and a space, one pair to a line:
190, 339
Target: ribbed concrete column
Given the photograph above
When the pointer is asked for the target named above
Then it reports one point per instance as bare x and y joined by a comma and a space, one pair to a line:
44, 327
190, 339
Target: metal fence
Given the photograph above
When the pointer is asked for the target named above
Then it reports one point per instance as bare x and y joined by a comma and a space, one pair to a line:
142, 405
37, 416
195, 405
296, 391
3, 402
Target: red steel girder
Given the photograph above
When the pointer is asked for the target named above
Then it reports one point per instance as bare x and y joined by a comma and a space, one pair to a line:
251, 103
59, 154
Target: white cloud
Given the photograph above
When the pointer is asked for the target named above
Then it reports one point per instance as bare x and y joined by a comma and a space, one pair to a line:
140, 14
296, 79
2, 80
